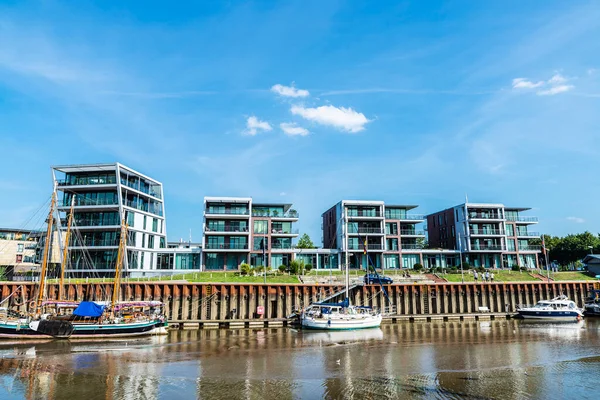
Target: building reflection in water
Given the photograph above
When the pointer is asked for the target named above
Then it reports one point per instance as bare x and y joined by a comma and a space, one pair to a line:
499, 359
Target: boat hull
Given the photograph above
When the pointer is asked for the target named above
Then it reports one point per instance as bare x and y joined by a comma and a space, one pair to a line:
83, 331
336, 324
550, 315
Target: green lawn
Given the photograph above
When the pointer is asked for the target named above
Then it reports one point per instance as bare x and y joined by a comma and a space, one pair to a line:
499, 276
571, 276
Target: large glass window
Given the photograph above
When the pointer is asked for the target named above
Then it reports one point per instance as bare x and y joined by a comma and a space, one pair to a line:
214, 261
150, 241
391, 261
215, 242
391, 228
510, 245
395, 213
261, 226
154, 225
281, 227
259, 242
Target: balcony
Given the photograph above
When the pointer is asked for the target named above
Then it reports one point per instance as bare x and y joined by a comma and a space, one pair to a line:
90, 242
486, 232
144, 188
221, 229
82, 201
226, 246
411, 232
530, 248
479, 247
411, 246
522, 219
477, 215
146, 207
292, 214
87, 180
361, 246
282, 246
365, 230
412, 217
285, 231
528, 234
364, 213
226, 211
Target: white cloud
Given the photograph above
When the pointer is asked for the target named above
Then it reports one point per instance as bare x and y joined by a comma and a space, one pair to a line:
282, 193
342, 118
289, 91
555, 85
555, 90
577, 220
291, 129
253, 125
522, 83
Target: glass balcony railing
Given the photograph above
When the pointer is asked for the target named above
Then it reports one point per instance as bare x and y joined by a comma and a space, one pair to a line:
231, 211
284, 231
487, 231
227, 246
144, 188
411, 246
366, 230
226, 229
87, 180
522, 219
95, 243
411, 232
476, 215
531, 234
481, 247
364, 213
530, 248
281, 246
275, 214
147, 207
361, 246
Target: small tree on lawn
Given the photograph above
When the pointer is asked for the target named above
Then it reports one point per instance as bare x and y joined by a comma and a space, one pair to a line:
305, 243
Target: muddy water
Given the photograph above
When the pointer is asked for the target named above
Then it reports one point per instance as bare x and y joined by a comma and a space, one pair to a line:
497, 359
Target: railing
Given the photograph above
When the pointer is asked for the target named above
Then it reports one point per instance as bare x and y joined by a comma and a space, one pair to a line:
537, 234
226, 229
147, 207
530, 248
411, 246
82, 181
275, 214
95, 242
227, 211
487, 231
412, 217
486, 248
227, 246
409, 232
82, 201
364, 213
140, 188
360, 246
485, 216
364, 230
285, 231
92, 222
281, 247
522, 219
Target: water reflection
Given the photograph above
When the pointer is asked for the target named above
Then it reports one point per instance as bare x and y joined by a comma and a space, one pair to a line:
485, 359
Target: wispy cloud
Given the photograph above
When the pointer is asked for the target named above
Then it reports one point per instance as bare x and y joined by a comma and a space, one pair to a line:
577, 220
345, 119
253, 125
555, 85
161, 95
291, 129
289, 91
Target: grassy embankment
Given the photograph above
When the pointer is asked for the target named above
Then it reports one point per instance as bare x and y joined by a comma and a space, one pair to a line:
571, 276
499, 276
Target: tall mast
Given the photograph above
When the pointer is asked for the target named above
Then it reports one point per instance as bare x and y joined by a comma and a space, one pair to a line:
61, 288
45, 254
120, 254
346, 253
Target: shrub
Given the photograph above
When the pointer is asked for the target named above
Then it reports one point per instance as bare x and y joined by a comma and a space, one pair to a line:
524, 269
515, 268
244, 269
282, 268
308, 267
418, 266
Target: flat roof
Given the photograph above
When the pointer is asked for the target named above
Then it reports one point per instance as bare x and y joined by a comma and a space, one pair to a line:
517, 208
286, 206
227, 199
405, 206
99, 167
363, 202
16, 230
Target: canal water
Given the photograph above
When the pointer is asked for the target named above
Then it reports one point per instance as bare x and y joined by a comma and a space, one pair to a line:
466, 360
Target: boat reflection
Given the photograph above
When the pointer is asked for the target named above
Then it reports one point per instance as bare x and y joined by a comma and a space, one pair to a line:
340, 337
554, 329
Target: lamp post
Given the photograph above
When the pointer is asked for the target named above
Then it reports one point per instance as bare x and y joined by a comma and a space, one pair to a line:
591, 249
265, 258
462, 276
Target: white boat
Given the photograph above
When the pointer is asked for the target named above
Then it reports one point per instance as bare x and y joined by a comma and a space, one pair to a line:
558, 309
343, 315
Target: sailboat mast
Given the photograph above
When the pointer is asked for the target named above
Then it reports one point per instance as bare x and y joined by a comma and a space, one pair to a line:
45, 254
346, 253
120, 255
61, 288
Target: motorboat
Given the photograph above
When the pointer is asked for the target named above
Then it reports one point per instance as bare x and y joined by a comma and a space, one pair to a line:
592, 304
558, 309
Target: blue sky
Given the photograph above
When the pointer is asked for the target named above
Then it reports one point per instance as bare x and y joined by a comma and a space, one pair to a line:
308, 102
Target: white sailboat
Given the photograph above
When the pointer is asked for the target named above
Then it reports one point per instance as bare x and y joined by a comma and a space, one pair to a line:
343, 315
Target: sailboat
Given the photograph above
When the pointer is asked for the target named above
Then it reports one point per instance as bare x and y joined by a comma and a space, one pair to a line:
88, 319
342, 315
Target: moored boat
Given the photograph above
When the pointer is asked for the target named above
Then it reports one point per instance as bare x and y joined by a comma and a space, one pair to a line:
592, 304
558, 309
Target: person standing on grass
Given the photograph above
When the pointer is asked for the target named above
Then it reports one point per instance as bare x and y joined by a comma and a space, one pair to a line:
487, 276
492, 276
475, 275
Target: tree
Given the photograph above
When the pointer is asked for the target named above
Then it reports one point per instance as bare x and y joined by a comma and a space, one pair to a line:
244, 269
305, 243
296, 267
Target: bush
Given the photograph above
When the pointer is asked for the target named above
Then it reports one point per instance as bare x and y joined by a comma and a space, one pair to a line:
244, 269
515, 268
308, 267
418, 266
524, 269
282, 268
481, 269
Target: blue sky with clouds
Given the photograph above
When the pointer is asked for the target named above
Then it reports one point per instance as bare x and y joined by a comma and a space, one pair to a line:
308, 102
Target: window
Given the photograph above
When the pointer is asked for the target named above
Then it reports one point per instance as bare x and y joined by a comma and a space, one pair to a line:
154, 225
510, 245
510, 229
19, 248
130, 218
151, 241
162, 243
143, 240
261, 226
19, 258
145, 222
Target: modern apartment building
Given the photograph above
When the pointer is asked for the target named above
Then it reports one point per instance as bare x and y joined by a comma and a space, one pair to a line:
392, 235
103, 195
18, 250
237, 230
489, 235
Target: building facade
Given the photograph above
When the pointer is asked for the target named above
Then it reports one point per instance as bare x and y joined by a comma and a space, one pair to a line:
392, 235
18, 250
237, 230
489, 235
103, 195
